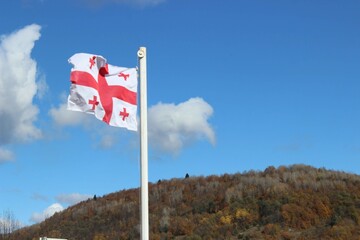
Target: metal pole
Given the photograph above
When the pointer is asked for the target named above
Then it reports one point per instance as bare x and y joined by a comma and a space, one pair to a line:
143, 146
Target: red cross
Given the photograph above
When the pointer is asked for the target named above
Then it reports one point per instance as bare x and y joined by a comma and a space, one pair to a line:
94, 102
92, 61
106, 92
125, 76
124, 114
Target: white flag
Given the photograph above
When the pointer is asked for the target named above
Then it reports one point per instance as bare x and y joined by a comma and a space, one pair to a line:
107, 91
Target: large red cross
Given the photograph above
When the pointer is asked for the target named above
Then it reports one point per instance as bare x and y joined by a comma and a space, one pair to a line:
106, 92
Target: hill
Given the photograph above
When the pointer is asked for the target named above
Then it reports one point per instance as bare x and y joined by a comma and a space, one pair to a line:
294, 202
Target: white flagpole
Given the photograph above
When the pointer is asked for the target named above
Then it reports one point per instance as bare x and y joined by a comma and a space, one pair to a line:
143, 146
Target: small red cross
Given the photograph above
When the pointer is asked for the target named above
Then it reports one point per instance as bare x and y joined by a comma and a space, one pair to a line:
92, 61
124, 114
93, 102
125, 76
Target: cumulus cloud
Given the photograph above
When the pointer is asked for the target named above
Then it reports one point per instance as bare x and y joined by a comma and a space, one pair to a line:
62, 199
106, 137
72, 198
42, 86
171, 127
48, 212
63, 117
18, 87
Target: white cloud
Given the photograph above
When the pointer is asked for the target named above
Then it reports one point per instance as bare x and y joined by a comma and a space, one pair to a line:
18, 86
64, 117
6, 155
42, 86
171, 127
72, 198
48, 212
105, 136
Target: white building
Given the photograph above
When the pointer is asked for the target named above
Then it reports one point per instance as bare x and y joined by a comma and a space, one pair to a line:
46, 238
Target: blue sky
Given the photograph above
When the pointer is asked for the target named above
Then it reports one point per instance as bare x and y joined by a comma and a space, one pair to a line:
247, 84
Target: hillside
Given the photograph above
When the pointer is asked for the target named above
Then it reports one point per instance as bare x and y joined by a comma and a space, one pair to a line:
294, 202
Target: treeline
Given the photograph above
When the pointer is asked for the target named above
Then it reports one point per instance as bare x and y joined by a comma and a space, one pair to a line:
294, 202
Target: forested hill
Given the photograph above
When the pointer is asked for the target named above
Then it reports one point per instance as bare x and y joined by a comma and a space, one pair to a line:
294, 202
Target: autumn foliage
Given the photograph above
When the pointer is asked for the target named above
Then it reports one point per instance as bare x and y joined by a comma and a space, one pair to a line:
294, 202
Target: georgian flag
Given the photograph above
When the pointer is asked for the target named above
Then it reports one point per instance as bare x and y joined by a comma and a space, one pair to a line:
108, 92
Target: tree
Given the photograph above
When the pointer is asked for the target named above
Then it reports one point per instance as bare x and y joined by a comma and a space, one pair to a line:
8, 224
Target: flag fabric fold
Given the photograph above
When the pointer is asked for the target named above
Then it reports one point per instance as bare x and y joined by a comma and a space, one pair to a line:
109, 92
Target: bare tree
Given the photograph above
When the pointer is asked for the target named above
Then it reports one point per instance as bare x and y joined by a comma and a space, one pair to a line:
8, 224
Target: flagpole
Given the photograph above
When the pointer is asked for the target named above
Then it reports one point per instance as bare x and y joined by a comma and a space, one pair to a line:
143, 146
